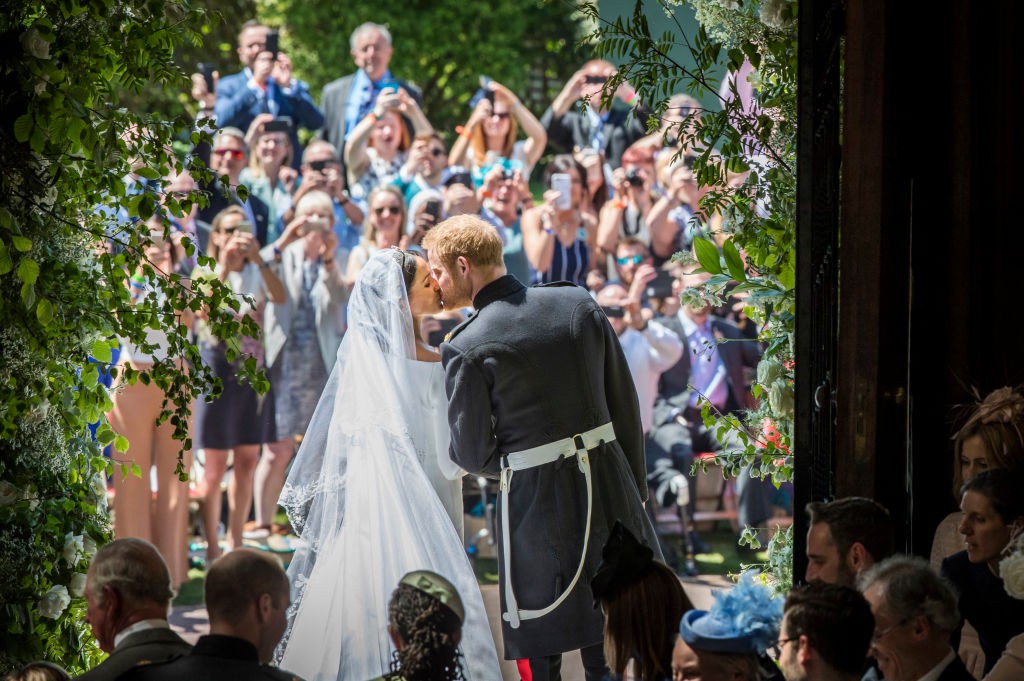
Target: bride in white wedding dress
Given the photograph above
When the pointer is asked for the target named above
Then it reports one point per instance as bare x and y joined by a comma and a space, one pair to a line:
372, 491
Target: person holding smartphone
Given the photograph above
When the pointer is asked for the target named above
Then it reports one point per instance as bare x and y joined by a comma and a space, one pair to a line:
557, 237
301, 336
266, 85
608, 129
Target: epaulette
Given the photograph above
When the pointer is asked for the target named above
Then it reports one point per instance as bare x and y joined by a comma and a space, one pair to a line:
454, 332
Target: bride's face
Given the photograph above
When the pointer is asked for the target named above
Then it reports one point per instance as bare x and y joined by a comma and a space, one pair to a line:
424, 294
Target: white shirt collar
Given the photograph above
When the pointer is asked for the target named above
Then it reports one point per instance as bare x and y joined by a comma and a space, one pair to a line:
141, 625
937, 670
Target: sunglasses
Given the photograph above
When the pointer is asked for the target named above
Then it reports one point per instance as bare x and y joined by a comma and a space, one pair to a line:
630, 260
437, 152
387, 210
501, 115
230, 153
596, 79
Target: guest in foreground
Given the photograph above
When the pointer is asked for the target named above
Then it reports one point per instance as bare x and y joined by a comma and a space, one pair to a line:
127, 595
826, 632
728, 642
915, 614
425, 618
246, 598
643, 602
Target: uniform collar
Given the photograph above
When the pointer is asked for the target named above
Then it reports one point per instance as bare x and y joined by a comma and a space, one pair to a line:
497, 289
230, 647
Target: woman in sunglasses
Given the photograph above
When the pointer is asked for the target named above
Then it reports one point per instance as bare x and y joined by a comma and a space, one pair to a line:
385, 227
239, 420
489, 136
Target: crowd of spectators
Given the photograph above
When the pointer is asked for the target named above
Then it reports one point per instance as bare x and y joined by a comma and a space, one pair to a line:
616, 204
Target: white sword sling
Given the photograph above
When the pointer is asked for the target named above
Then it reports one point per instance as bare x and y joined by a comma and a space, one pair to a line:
579, 446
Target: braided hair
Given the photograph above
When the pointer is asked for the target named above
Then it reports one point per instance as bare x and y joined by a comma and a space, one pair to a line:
430, 634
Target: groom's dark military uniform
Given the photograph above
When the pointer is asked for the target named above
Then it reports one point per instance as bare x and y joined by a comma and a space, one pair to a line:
531, 367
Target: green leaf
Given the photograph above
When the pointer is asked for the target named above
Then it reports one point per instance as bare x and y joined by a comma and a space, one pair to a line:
733, 260
148, 173
28, 271
100, 351
28, 295
23, 128
6, 265
44, 311
104, 435
121, 444
21, 243
707, 255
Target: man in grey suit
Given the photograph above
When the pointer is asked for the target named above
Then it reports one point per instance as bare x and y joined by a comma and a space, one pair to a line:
348, 99
127, 595
540, 395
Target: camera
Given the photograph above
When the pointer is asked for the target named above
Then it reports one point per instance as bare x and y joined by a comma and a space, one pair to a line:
273, 38
614, 311
316, 225
207, 69
633, 178
319, 166
282, 124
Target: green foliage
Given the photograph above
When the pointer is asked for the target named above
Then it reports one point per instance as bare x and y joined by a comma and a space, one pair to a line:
443, 46
70, 235
744, 157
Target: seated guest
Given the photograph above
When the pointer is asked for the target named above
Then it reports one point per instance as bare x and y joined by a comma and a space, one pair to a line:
915, 615
247, 600
846, 537
39, 671
993, 513
127, 596
425, 618
826, 631
728, 642
643, 602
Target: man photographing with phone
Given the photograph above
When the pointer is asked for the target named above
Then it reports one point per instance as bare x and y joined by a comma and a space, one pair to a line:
608, 129
265, 85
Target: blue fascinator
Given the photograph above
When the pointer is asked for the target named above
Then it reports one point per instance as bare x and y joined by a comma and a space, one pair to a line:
744, 619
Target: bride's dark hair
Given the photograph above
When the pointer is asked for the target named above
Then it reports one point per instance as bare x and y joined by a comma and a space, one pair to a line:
430, 634
407, 262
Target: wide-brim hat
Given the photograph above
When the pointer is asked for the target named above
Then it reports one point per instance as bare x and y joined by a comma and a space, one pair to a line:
743, 620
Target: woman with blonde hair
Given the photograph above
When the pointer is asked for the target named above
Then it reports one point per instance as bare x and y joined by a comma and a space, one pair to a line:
270, 176
385, 227
489, 136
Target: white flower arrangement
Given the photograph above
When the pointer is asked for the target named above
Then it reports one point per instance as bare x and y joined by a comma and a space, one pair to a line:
74, 547
55, 602
77, 584
1011, 568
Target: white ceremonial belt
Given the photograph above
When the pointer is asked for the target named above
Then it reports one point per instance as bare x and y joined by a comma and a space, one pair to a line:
578, 445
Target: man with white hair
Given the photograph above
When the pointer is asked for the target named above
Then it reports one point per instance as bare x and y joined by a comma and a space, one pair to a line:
915, 613
128, 594
347, 100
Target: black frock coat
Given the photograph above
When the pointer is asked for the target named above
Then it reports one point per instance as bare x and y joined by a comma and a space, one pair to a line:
531, 366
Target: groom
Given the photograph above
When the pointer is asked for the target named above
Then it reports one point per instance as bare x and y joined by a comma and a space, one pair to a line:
540, 396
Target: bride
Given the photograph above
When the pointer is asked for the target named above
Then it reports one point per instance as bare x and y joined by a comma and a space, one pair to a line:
372, 491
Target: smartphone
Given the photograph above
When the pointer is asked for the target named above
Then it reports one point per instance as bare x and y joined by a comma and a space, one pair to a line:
390, 86
243, 227
207, 68
316, 225
614, 311
318, 166
273, 40
562, 183
435, 338
433, 207
282, 124
660, 286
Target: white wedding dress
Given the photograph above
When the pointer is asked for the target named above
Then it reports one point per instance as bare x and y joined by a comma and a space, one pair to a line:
374, 495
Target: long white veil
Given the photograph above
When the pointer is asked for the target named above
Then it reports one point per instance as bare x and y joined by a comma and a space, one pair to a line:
358, 496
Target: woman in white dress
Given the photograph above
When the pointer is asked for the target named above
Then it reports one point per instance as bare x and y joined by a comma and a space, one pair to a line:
372, 491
